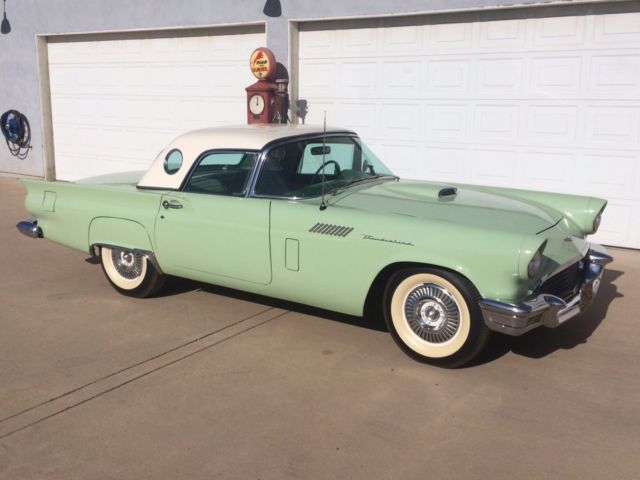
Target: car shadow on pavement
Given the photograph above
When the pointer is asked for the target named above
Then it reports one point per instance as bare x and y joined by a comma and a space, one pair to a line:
535, 344
543, 341
175, 286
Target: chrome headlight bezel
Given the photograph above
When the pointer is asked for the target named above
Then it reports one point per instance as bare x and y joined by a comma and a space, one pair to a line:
596, 222
534, 264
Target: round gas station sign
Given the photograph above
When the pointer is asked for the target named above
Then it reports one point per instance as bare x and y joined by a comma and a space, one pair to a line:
262, 63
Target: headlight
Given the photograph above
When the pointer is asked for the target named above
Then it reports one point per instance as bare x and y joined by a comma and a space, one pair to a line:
534, 264
596, 221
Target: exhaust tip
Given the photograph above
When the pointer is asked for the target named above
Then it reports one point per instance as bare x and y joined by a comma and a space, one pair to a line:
30, 229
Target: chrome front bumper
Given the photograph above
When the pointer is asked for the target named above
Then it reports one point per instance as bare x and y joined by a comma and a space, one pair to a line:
546, 309
30, 228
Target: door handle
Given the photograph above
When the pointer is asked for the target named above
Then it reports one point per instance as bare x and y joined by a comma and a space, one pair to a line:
167, 205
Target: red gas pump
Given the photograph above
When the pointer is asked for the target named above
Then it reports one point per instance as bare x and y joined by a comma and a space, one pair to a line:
265, 102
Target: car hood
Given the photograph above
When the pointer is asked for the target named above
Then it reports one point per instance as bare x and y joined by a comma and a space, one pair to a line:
469, 205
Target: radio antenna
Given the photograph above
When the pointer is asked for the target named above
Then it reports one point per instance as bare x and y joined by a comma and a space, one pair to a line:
323, 206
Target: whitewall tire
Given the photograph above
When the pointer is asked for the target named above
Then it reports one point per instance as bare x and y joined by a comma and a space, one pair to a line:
433, 315
130, 273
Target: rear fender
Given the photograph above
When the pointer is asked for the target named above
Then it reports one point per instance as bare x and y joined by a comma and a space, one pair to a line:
119, 232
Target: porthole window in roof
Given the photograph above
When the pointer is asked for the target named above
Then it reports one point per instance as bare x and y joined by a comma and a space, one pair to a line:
173, 161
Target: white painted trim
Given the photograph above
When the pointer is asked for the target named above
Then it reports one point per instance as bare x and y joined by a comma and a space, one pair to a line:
491, 8
185, 28
46, 119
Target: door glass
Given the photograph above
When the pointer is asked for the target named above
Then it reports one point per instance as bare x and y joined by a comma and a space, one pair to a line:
221, 173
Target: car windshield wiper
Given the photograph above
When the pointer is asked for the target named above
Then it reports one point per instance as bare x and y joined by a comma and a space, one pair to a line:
336, 190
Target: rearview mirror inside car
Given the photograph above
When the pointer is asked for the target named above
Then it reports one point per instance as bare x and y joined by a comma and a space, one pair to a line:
326, 150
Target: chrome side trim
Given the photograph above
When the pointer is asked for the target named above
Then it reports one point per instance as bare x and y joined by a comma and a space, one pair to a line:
30, 228
546, 309
150, 256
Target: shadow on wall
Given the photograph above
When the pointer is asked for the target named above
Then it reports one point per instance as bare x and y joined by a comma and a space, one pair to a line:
6, 26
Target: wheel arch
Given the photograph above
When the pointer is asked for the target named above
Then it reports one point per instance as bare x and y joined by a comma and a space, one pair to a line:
374, 299
119, 232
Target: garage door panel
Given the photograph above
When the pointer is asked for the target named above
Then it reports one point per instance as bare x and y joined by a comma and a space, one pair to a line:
356, 78
553, 76
503, 34
401, 79
621, 28
560, 32
613, 126
359, 41
319, 78
445, 122
551, 124
118, 102
403, 40
360, 116
617, 224
447, 78
615, 76
447, 38
548, 170
405, 157
501, 77
496, 122
611, 176
495, 166
446, 163
543, 102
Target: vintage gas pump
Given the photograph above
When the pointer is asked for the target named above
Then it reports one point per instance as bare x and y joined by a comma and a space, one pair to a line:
267, 102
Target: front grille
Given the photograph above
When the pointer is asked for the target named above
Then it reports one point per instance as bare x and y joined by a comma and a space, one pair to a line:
566, 283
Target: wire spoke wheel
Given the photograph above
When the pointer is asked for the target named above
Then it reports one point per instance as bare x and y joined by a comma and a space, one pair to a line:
434, 316
130, 272
432, 313
127, 264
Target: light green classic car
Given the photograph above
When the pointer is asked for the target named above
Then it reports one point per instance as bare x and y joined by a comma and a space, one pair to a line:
313, 216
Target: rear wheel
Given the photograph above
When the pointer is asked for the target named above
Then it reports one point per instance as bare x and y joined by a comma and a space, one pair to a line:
130, 273
433, 315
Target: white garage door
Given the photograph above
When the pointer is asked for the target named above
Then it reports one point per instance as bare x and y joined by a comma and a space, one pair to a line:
116, 103
545, 102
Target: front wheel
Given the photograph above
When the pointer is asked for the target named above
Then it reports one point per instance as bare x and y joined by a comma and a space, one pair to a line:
433, 315
130, 273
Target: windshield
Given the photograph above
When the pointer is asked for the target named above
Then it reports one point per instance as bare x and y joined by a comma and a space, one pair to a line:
296, 169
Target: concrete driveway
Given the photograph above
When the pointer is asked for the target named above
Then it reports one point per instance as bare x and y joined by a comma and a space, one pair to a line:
215, 384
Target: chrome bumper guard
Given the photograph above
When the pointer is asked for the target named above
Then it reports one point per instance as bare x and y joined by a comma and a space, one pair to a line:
546, 309
30, 229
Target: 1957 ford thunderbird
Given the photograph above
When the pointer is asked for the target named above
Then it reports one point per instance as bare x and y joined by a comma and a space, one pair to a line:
313, 216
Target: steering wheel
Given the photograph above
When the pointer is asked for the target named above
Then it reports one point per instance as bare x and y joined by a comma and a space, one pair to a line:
324, 165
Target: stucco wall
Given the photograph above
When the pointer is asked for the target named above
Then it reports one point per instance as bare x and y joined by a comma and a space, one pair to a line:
29, 18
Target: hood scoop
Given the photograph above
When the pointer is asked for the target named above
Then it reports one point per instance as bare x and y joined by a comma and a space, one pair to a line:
423, 190
447, 193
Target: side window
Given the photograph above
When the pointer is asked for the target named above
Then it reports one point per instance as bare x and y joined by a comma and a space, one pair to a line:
224, 160
173, 161
221, 173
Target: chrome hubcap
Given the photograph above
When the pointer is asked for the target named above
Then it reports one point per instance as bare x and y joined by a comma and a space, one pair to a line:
127, 264
432, 313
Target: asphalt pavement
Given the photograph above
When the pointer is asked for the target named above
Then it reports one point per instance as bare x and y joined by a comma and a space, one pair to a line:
208, 383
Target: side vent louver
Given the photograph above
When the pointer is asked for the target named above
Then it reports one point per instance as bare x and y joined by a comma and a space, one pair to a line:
328, 229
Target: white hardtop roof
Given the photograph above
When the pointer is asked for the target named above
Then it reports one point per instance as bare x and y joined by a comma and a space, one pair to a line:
244, 137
